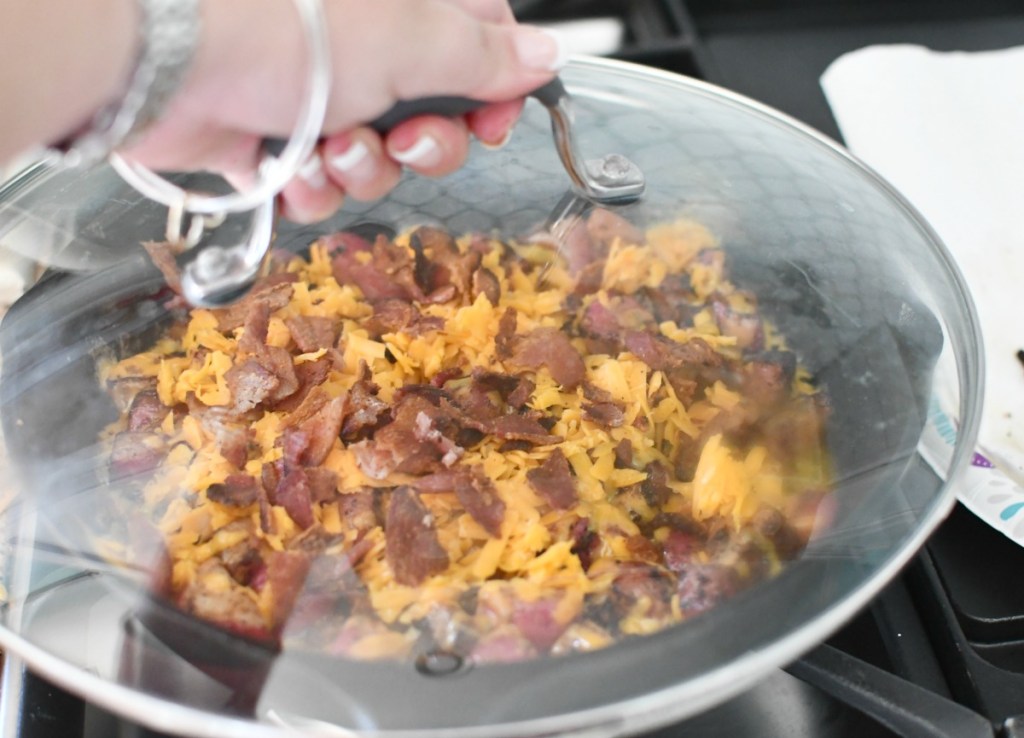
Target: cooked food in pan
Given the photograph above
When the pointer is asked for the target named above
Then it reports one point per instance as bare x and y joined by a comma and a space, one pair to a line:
494, 449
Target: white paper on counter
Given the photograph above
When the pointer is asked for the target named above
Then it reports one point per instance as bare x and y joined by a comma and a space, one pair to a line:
17, 271
947, 130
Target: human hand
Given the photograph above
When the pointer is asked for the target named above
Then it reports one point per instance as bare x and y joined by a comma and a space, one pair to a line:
249, 73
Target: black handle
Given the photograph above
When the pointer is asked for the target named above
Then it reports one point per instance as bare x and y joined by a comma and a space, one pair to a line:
452, 107
444, 105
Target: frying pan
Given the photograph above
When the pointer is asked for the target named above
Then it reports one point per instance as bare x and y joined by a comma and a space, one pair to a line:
860, 286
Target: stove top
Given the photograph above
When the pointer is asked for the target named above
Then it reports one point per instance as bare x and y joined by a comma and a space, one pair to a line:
940, 652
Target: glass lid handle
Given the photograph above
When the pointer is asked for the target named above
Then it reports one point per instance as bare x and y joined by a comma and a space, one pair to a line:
612, 179
218, 275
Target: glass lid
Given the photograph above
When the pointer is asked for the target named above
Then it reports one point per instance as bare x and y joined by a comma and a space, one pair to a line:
484, 457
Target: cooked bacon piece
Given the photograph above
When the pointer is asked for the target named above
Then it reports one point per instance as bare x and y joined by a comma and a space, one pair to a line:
673, 300
600, 322
310, 431
310, 374
486, 284
250, 384
536, 621
390, 316
607, 414
388, 449
521, 428
377, 458
767, 378
294, 495
270, 475
242, 562
365, 410
595, 394
136, 453
412, 549
387, 275
773, 526
358, 509
655, 488
551, 348
664, 354
293, 442
237, 490
473, 406
586, 542
323, 483
393, 315
275, 291
420, 437
278, 361
286, 575
746, 328
321, 430
475, 492
502, 646
642, 548
427, 429
637, 582
441, 265
504, 384
232, 608
310, 406
590, 278
679, 549
164, 257
553, 481
476, 413
311, 333
444, 376
146, 411
520, 396
624, 454
505, 338
579, 249
702, 586
124, 389
255, 328
423, 269
604, 227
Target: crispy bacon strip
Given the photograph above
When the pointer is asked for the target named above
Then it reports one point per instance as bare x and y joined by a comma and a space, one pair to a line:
412, 549
553, 481
549, 347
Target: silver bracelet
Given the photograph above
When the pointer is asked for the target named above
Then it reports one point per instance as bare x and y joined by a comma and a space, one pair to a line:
170, 32
274, 172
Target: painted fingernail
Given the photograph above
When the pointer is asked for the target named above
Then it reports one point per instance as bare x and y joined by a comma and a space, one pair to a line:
541, 48
348, 161
312, 172
425, 152
495, 145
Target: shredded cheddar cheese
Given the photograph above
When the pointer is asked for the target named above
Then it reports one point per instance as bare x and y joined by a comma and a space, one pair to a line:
661, 438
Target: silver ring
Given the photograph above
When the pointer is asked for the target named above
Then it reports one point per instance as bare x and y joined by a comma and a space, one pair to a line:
274, 173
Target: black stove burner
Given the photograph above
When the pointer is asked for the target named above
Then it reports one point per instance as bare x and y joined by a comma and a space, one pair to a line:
940, 652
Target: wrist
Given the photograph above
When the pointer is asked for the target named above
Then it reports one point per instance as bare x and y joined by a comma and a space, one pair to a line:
168, 33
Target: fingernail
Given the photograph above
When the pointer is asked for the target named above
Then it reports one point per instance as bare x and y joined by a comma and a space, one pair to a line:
541, 48
312, 172
349, 159
495, 145
424, 153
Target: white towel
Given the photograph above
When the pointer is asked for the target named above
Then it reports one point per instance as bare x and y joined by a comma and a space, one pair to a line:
947, 130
